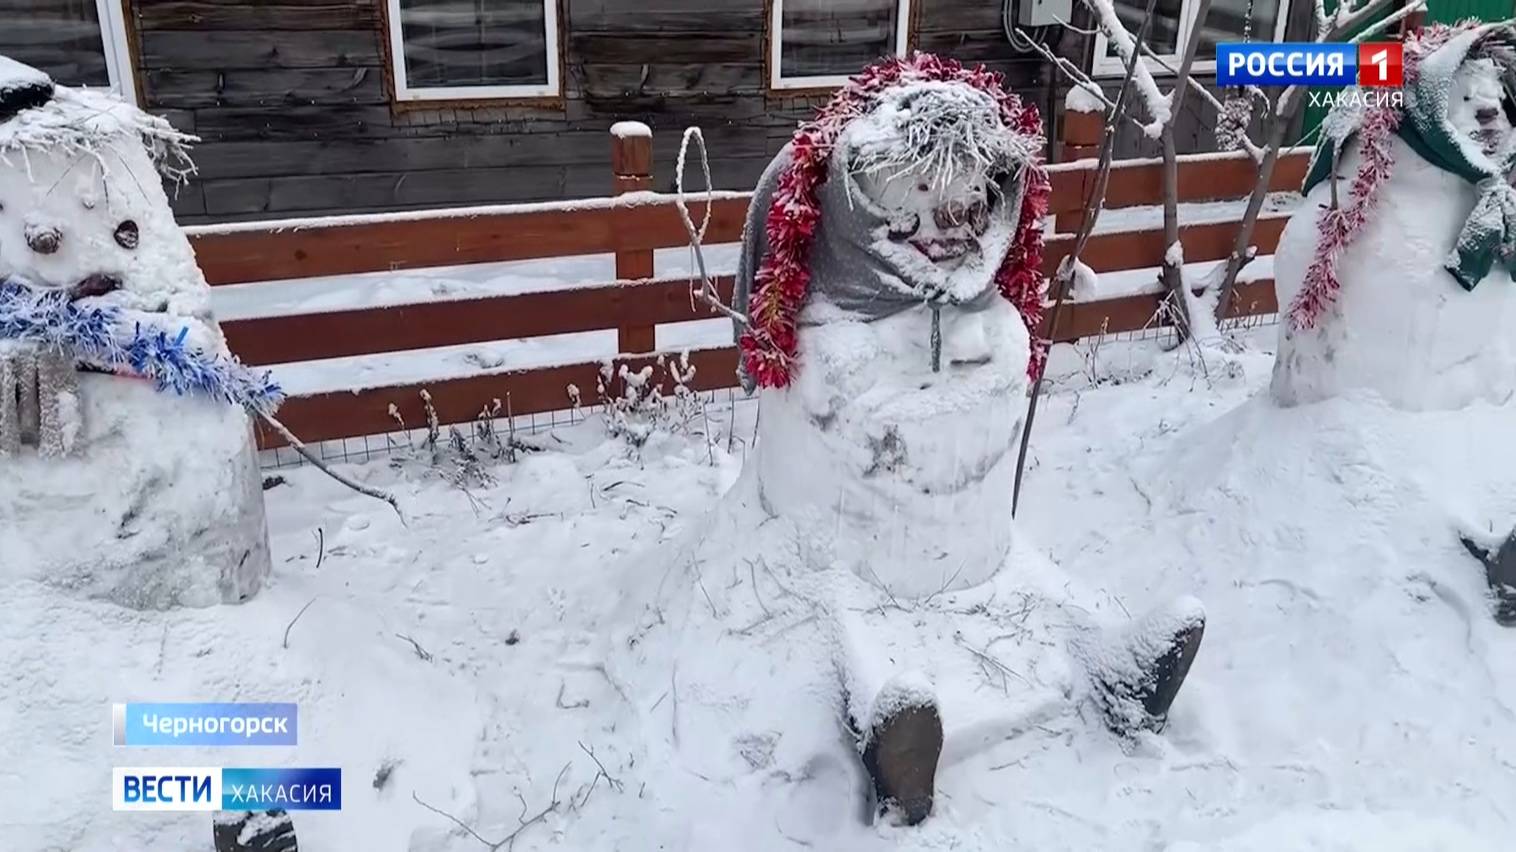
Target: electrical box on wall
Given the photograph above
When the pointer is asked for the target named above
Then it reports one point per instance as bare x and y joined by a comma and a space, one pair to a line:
1039, 13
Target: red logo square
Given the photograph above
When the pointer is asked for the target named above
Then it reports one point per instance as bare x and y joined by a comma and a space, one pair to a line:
1380, 64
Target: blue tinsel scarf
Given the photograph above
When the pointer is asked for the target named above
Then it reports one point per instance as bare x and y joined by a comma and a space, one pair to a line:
106, 337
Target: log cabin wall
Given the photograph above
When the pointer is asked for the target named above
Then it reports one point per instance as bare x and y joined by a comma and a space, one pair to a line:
294, 101
296, 104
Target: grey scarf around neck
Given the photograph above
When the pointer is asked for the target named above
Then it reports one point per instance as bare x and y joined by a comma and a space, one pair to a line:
855, 267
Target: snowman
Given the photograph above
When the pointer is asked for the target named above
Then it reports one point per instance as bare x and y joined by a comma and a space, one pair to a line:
124, 473
858, 600
1396, 274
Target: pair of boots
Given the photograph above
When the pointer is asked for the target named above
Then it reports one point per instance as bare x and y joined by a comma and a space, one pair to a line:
901, 748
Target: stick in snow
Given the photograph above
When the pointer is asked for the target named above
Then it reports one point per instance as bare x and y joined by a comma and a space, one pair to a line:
1065, 275
305, 452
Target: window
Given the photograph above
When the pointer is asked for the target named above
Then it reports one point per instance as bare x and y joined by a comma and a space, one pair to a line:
472, 49
816, 43
1171, 26
77, 42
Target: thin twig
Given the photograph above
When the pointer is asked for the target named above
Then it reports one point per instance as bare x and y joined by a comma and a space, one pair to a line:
420, 651
509, 841
295, 619
707, 290
1064, 279
609, 778
989, 659
320, 546
300, 447
576, 705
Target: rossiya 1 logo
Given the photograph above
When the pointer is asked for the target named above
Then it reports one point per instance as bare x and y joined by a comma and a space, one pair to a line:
1375, 69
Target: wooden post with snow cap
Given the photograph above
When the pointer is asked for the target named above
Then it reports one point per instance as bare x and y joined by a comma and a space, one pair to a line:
1083, 128
632, 168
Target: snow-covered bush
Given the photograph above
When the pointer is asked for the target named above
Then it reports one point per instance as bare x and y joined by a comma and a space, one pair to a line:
636, 403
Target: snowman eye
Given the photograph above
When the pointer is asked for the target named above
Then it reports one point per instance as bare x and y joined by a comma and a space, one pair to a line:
921, 187
127, 235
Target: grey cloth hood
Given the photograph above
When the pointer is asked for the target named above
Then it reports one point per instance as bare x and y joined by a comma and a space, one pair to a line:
856, 268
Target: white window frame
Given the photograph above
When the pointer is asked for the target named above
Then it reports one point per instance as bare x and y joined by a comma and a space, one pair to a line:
118, 54
405, 92
1102, 65
777, 80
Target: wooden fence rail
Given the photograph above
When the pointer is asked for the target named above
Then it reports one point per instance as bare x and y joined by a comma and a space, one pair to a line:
631, 226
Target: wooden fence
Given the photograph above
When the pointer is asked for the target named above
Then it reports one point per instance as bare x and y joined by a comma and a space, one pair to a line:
631, 226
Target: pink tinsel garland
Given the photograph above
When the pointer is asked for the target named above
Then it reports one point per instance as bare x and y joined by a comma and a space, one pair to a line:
1340, 226
769, 344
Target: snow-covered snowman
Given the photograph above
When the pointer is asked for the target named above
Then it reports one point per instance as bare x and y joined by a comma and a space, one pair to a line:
1396, 274
863, 568
126, 465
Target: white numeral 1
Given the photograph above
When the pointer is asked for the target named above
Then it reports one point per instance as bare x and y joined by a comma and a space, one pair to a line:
1382, 59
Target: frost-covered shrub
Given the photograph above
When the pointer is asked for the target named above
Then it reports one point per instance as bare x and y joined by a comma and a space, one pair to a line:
638, 404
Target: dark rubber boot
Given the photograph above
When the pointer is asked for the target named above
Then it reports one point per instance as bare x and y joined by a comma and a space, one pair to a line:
1137, 694
1168, 674
254, 831
901, 759
1500, 573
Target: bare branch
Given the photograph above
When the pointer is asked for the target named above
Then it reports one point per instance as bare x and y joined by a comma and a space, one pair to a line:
706, 292
300, 447
508, 841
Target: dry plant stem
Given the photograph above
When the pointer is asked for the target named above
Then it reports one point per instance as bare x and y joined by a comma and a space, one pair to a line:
1277, 126
305, 452
1064, 278
509, 841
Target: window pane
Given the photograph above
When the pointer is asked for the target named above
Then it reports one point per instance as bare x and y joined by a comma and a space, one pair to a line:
1163, 32
1225, 23
474, 42
61, 37
834, 37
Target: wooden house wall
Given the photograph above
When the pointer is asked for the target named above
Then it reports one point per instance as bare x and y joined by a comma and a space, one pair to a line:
291, 99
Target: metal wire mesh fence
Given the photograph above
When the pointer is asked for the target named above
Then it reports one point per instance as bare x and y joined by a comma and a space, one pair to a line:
363, 448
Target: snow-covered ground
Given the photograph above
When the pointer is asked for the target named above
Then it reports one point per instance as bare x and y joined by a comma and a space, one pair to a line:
1352, 692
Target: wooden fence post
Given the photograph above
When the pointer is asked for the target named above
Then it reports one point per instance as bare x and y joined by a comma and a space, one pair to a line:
632, 167
1082, 132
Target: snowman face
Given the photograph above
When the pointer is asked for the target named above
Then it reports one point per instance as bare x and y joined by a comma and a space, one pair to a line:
1478, 106
97, 225
941, 219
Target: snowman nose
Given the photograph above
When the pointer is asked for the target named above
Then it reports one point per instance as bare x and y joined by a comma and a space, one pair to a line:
1485, 115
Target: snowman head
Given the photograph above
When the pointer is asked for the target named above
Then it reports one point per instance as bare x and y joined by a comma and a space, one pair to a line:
934, 159
82, 203
1479, 106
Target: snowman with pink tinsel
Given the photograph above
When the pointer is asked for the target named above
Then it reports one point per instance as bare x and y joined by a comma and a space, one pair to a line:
1396, 276
859, 609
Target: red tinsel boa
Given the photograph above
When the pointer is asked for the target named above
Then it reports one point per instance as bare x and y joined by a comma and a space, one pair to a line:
769, 343
1338, 227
